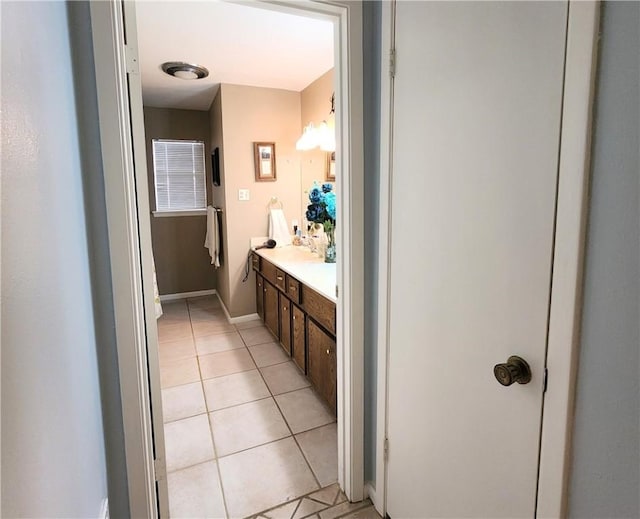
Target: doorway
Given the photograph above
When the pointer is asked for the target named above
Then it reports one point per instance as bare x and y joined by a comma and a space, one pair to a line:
112, 52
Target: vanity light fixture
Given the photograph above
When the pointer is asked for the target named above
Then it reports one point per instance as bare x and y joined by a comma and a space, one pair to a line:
308, 140
324, 136
183, 70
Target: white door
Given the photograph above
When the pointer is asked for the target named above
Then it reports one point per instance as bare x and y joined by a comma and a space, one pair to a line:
146, 254
476, 127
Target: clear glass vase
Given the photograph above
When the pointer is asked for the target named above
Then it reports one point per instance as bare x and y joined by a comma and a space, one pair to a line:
330, 249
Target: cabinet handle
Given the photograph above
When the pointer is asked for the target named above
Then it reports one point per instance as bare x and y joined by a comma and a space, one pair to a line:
284, 308
328, 352
294, 317
265, 289
292, 288
280, 278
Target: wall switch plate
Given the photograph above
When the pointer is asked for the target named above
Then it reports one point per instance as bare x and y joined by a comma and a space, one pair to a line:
243, 194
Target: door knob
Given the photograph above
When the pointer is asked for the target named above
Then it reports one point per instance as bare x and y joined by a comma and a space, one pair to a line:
514, 370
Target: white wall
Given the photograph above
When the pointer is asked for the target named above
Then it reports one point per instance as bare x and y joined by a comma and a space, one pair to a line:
53, 461
605, 478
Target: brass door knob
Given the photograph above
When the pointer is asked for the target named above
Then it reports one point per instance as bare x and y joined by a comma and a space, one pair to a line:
515, 369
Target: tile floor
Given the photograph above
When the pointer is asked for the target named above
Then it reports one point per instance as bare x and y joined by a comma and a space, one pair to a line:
245, 435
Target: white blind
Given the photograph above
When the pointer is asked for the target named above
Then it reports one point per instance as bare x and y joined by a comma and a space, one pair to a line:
179, 175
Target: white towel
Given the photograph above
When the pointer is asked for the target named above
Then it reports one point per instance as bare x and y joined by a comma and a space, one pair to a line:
156, 293
278, 229
212, 239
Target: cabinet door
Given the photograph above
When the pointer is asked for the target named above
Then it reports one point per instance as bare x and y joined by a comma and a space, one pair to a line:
285, 323
298, 338
321, 368
271, 307
260, 295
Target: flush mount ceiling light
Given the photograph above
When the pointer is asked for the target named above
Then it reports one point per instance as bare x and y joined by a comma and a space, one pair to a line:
184, 70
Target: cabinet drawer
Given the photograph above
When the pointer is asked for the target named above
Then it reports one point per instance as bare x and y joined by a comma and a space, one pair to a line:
255, 262
268, 271
293, 289
280, 280
320, 308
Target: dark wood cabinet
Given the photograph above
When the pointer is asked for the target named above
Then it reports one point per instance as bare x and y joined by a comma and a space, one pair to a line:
285, 323
271, 308
304, 322
280, 280
255, 262
298, 338
293, 289
322, 310
321, 363
260, 295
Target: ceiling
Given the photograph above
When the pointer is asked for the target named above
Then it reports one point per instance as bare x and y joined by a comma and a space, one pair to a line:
238, 44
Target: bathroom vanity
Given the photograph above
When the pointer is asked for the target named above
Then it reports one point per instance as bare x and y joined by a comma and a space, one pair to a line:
296, 299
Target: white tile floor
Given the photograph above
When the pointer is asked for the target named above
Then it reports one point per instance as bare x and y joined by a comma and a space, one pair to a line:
245, 435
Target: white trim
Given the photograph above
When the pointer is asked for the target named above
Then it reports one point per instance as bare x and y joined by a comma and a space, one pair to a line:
370, 492
244, 318
565, 312
124, 251
185, 295
104, 509
566, 293
384, 251
239, 319
171, 214
137, 140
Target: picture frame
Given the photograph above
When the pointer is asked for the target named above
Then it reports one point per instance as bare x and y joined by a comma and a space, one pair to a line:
215, 167
330, 169
264, 154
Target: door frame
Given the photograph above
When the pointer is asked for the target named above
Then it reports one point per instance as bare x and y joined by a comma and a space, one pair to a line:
568, 255
129, 235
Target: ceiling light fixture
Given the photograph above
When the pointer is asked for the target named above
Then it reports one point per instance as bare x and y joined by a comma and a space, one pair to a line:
183, 70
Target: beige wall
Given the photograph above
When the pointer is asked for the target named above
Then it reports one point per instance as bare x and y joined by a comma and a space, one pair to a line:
251, 114
182, 262
315, 107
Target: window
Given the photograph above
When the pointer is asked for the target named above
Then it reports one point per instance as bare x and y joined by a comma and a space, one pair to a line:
179, 175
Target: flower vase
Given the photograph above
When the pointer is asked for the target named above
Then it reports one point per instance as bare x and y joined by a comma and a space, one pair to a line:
330, 249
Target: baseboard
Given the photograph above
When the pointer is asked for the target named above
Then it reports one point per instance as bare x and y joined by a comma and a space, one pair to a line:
240, 318
104, 509
370, 492
184, 295
244, 318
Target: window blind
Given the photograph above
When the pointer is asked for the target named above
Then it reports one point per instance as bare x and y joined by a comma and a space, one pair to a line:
179, 175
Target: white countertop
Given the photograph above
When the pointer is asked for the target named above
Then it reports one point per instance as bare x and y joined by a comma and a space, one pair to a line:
305, 266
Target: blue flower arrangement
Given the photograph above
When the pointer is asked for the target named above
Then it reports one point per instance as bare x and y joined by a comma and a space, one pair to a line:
322, 208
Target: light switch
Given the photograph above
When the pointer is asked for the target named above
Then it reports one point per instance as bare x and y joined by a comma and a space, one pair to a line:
243, 194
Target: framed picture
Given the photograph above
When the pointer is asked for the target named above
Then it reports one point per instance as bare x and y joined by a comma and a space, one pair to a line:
215, 166
330, 170
265, 161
